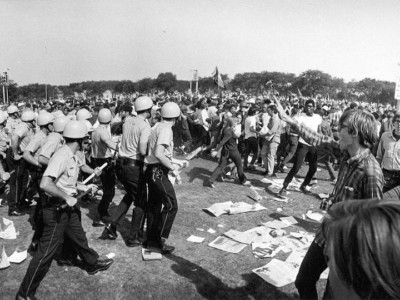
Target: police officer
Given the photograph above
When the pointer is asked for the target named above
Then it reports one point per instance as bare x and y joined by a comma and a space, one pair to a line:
13, 119
83, 114
19, 179
101, 145
60, 214
31, 156
162, 202
135, 136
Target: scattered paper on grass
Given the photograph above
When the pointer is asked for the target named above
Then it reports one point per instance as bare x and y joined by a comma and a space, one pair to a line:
323, 196
296, 257
148, 255
195, 239
283, 199
315, 216
4, 262
279, 209
242, 237
229, 207
220, 225
265, 250
7, 230
18, 257
110, 255
210, 230
276, 224
227, 244
289, 220
277, 272
253, 194
199, 229
218, 209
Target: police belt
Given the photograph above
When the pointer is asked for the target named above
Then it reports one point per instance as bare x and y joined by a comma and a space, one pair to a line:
130, 161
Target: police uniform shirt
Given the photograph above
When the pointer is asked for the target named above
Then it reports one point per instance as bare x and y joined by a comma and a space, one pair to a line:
63, 167
36, 143
135, 130
12, 124
53, 142
25, 134
99, 147
4, 140
161, 135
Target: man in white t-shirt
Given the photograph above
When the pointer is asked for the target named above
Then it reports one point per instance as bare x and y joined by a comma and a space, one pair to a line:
250, 138
312, 121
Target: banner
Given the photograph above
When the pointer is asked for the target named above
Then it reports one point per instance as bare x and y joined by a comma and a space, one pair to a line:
217, 78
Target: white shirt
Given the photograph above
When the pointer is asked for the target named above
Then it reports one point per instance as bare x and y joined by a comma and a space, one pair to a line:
249, 123
310, 122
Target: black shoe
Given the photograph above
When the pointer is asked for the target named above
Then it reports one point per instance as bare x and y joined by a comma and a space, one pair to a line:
304, 190
100, 265
98, 223
69, 262
164, 249
32, 248
15, 213
282, 192
109, 233
133, 242
20, 297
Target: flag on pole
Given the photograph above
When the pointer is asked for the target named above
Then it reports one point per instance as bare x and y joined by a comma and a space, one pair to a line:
217, 78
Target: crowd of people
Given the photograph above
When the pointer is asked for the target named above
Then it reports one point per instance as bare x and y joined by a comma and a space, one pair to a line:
48, 149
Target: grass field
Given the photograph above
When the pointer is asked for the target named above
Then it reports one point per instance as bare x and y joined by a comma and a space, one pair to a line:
193, 271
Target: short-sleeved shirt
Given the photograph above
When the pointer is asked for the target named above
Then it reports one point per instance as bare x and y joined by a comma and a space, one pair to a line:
160, 135
12, 124
53, 142
36, 143
63, 167
99, 147
136, 130
389, 152
249, 123
25, 133
311, 122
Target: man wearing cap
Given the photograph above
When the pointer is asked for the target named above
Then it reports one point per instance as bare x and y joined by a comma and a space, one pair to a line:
60, 214
19, 179
129, 168
102, 145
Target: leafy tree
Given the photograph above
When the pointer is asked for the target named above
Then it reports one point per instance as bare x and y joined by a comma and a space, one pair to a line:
166, 81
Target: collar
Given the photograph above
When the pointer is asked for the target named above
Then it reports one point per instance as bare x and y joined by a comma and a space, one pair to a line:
359, 157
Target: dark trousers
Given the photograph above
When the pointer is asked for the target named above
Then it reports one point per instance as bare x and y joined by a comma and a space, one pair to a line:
107, 178
234, 155
292, 142
314, 263
18, 181
251, 147
280, 152
130, 174
55, 226
162, 202
301, 152
37, 217
392, 179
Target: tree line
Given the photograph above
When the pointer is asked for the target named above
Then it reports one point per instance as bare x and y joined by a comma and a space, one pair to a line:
311, 83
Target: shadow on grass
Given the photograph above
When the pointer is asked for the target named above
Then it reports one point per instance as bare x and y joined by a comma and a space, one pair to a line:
200, 173
212, 287
307, 225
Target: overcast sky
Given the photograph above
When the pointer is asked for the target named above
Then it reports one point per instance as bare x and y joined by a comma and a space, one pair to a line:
64, 41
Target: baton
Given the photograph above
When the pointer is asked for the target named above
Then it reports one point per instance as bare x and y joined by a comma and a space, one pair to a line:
63, 206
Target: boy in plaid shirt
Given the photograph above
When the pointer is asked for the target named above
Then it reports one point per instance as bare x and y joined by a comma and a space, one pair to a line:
360, 177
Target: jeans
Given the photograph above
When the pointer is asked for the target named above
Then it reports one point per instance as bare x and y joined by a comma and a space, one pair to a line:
56, 224
107, 178
301, 152
251, 146
314, 263
234, 155
162, 203
130, 174
280, 152
268, 152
